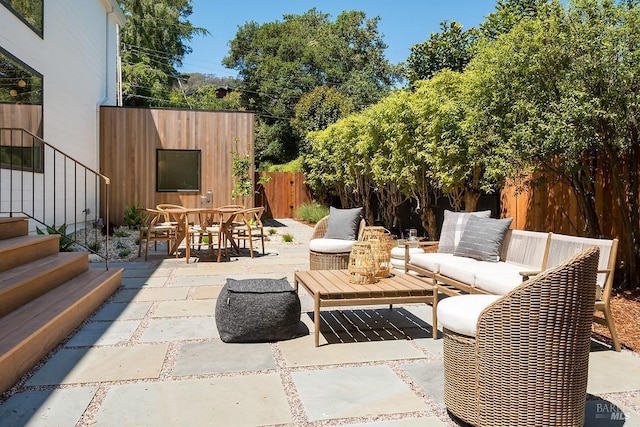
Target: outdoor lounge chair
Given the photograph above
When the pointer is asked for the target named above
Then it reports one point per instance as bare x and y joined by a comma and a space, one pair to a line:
329, 250
522, 358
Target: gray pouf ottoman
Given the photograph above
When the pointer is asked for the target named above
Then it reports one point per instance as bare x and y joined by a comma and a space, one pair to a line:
257, 310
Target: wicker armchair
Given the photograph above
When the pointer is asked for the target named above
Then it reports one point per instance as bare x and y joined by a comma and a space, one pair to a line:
528, 363
326, 260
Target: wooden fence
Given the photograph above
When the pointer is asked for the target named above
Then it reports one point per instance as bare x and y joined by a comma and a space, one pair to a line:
282, 194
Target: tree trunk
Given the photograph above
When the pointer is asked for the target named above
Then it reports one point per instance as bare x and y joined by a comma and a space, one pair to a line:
471, 198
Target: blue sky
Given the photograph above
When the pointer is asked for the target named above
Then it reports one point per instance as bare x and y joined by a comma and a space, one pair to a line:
403, 23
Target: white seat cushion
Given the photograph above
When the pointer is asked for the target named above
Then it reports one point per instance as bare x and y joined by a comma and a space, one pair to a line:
502, 279
429, 261
398, 252
460, 314
331, 246
463, 269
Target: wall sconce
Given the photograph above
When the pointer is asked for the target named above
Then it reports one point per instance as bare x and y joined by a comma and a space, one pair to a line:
206, 199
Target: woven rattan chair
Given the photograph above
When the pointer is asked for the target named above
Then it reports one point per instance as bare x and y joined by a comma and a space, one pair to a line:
329, 261
528, 363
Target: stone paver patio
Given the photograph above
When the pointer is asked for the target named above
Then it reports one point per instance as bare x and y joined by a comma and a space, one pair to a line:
151, 356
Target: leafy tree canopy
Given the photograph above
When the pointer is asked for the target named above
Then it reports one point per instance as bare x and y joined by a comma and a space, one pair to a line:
154, 41
280, 61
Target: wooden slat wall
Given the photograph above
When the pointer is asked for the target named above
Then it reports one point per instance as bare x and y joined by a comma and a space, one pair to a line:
129, 138
283, 194
22, 116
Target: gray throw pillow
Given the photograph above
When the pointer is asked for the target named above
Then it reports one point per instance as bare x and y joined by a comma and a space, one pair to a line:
482, 238
452, 228
343, 223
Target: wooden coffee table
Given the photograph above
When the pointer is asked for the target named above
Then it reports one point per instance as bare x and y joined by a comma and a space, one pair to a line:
331, 288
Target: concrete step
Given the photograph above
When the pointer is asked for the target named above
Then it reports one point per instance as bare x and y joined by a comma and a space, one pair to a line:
30, 332
13, 227
21, 250
26, 282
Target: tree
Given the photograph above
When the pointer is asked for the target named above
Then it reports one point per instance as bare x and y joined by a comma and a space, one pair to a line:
509, 13
562, 93
154, 43
280, 61
452, 48
318, 109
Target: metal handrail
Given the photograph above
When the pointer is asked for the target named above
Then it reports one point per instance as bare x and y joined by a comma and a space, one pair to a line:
31, 168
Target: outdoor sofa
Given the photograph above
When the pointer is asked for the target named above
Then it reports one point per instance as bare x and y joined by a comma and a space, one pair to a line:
520, 254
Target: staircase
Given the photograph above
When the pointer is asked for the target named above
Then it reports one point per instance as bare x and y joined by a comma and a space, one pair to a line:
44, 295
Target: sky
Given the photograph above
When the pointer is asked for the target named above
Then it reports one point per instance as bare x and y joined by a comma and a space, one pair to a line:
402, 24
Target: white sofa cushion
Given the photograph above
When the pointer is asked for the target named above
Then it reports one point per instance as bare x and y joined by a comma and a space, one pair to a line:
460, 314
500, 280
397, 252
331, 246
430, 260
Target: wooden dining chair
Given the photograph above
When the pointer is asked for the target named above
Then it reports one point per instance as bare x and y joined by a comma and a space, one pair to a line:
248, 227
155, 227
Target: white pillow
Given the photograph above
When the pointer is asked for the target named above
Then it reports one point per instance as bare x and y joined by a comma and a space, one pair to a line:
452, 228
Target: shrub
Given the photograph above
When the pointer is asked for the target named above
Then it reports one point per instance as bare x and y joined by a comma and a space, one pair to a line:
94, 246
272, 231
66, 240
132, 216
312, 212
287, 238
121, 233
124, 253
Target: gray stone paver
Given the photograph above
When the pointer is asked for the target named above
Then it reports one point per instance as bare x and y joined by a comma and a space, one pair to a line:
152, 356
104, 333
46, 408
218, 357
429, 377
151, 294
354, 392
250, 400
610, 372
122, 311
204, 307
69, 366
180, 329
144, 282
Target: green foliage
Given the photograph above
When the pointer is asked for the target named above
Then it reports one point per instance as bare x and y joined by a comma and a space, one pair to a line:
155, 40
287, 238
123, 253
94, 246
559, 92
133, 216
452, 48
66, 239
278, 62
295, 165
312, 212
272, 231
318, 109
121, 233
240, 169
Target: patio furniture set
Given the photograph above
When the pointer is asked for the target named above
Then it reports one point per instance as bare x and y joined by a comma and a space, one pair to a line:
516, 316
220, 228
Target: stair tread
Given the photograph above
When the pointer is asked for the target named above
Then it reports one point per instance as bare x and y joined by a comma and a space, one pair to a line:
20, 241
40, 267
26, 320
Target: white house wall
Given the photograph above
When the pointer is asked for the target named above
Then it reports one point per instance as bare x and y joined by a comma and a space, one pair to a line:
77, 57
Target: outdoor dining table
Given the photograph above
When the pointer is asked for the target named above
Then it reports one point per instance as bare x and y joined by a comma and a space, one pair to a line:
181, 217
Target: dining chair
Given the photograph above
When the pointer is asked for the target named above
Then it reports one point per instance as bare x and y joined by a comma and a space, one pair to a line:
155, 227
207, 226
248, 227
